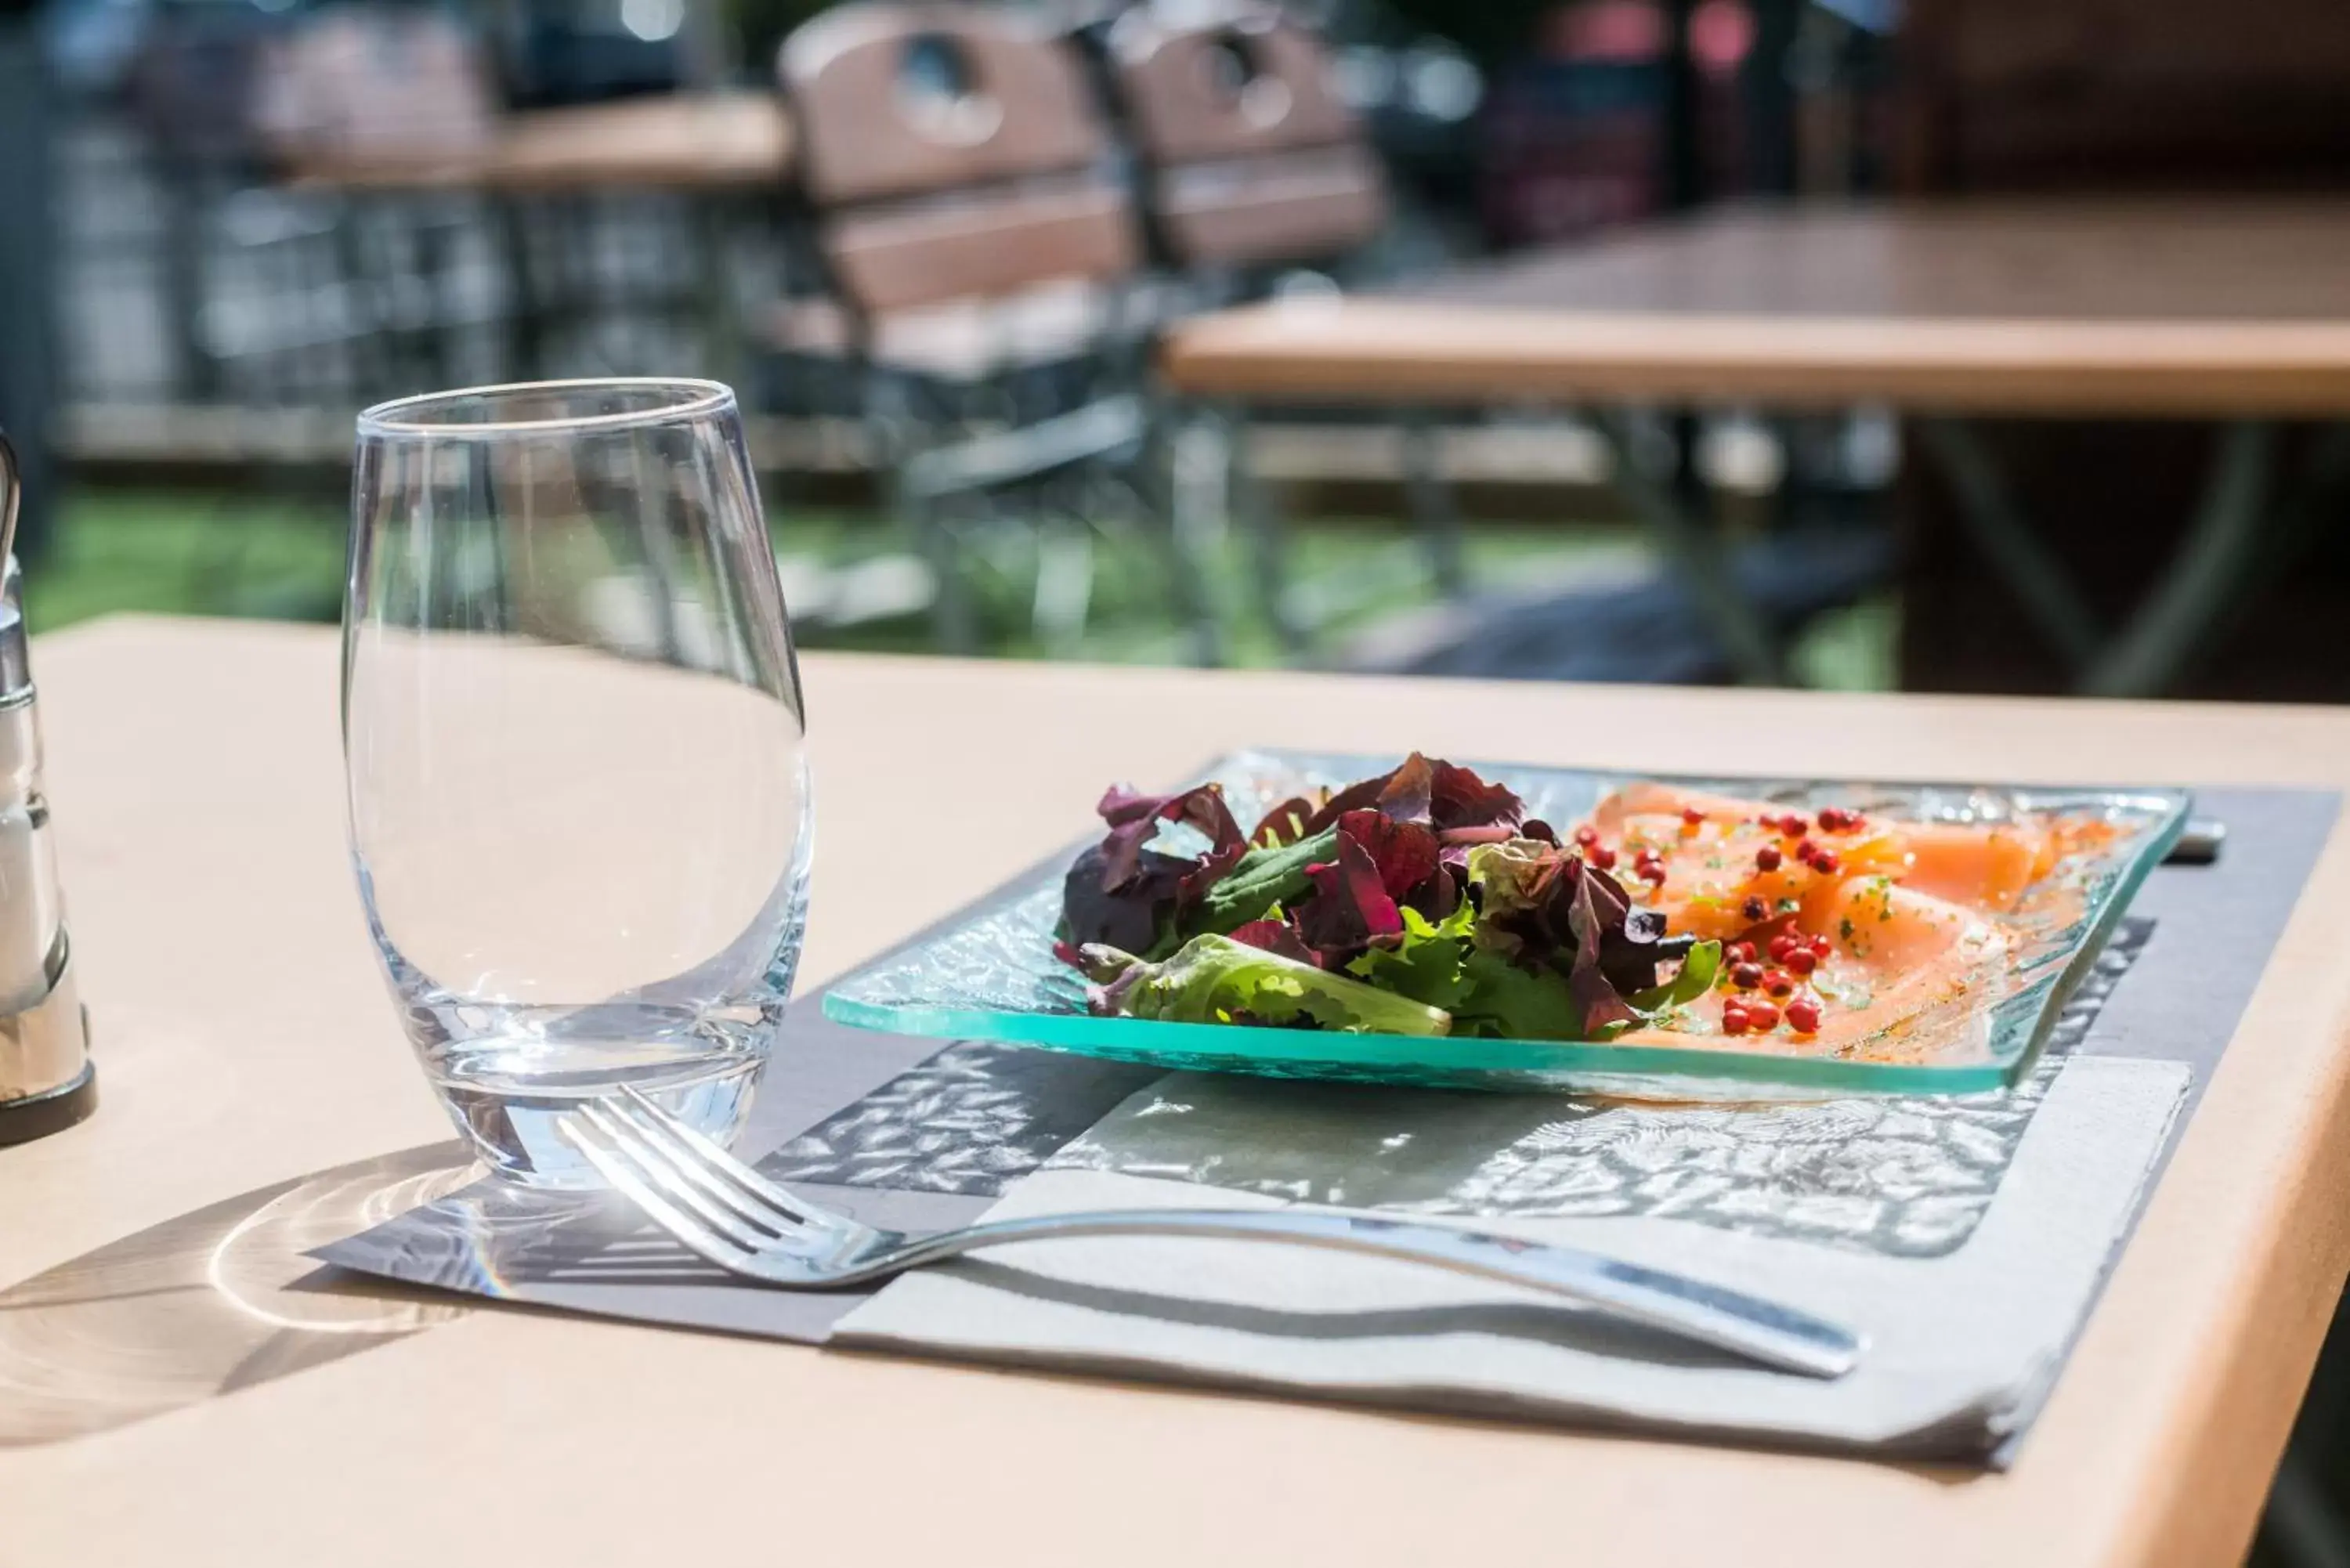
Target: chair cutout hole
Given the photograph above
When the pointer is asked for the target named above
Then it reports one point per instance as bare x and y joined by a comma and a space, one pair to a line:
940, 92
1237, 77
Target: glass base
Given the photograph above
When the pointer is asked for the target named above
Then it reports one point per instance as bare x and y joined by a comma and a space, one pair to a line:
513, 1131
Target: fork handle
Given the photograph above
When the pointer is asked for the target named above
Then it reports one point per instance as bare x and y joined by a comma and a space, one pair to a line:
1762, 1331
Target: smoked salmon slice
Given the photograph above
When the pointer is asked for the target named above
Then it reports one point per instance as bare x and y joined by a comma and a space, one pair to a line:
1903, 925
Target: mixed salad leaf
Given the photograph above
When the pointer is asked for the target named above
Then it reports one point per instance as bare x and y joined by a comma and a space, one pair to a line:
1421, 901
1211, 979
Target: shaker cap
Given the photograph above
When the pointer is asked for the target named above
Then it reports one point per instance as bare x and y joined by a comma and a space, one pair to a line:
16, 667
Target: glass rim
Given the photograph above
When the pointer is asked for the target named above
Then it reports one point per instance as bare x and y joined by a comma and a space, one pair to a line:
696, 398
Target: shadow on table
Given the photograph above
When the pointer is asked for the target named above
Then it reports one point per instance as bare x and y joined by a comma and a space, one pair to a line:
202, 1305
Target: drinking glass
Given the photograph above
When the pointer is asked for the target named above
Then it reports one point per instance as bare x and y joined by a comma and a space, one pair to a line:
574, 738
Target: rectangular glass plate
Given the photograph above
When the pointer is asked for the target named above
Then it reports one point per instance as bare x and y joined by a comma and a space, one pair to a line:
991, 975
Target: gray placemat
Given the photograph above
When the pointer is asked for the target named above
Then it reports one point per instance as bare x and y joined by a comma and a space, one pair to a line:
1907, 1175
1959, 1345
595, 1255
907, 1137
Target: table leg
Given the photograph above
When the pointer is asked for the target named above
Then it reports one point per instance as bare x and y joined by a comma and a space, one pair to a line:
1700, 563
1169, 512
954, 619
185, 194
1991, 520
2312, 508
2299, 1525
2208, 574
523, 325
721, 329
441, 329
371, 362
1252, 504
2212, 566
1430, 500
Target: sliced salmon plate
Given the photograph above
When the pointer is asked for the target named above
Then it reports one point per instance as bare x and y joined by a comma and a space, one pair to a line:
1857, 936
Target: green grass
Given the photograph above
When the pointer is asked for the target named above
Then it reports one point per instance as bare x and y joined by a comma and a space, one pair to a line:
192, 556
283, 559
1852, 649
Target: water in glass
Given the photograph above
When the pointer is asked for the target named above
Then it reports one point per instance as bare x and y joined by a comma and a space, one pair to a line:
574, 736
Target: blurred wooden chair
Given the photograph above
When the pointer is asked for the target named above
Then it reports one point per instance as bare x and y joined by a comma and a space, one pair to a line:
340, 98
1257, 177
375, 86
190, 90
1249, 157
981, 281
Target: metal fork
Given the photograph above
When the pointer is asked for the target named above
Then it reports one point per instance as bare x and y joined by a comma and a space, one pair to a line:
737, 1219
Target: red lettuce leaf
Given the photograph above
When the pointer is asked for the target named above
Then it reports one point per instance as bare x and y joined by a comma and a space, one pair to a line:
1404, 794
1276, 937
1120, 804
1458, 798
1569, 915
1440, 895
1128, 891
1598, 998
1405, 852
1284, 824
1350, 908
1435, 794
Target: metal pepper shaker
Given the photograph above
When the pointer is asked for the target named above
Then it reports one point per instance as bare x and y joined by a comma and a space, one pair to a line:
47, 1080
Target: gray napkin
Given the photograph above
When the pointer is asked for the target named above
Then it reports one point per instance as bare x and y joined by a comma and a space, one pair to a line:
1961, 1344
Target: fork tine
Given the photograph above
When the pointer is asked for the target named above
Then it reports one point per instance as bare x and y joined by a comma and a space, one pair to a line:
650, 1139
717, 1159
654, 1165
617, 1171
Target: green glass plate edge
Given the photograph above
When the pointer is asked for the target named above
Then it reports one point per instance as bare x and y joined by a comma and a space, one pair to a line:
1519, 1063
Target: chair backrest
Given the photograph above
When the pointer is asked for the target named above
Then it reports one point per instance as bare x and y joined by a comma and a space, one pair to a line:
356, 84
1253, 156
950, 154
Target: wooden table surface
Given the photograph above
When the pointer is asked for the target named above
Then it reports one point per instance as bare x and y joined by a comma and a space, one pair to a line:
246, 1040
2208, 308
715, 141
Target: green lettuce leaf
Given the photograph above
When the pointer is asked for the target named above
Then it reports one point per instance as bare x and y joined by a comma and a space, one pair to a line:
1511, 1003
1489, 992
1264, 879
1702, 962
1426, 965
1441, 963
1215, 979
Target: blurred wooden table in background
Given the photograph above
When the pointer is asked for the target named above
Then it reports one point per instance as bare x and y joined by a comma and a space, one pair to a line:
728, 155
2226, 310
684, 142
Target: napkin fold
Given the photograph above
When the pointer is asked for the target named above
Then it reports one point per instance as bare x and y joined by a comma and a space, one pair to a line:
1962, 1346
